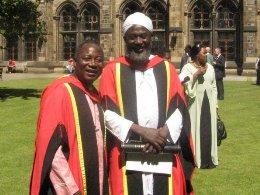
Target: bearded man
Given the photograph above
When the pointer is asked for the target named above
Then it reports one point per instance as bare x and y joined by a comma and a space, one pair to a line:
143, 100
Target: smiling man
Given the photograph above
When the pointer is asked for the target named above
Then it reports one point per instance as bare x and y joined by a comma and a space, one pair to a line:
143, 101
70, 154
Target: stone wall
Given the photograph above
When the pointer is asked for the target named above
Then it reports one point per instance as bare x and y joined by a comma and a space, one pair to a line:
111, 21
250, 30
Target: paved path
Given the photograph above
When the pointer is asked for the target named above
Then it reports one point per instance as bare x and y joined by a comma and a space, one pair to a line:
12, 76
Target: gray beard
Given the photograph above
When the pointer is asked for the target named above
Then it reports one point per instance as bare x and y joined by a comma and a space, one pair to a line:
139, 59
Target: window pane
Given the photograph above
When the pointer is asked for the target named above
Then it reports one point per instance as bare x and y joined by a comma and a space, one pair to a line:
202, 38
68, 19
91, 36
227, 43
226, 15
201, 15
12, 48
158, 43
130, 8
158, 15
90, 18
69, 46
30, 48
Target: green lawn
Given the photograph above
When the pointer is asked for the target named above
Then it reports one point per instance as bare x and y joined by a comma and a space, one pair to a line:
238, 172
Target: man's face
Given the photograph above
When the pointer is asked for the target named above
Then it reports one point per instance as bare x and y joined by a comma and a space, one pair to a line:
90, 63
138, 41
202, 56
217, 51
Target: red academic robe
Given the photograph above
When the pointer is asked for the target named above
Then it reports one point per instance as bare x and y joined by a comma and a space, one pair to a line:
65, 120
117, 88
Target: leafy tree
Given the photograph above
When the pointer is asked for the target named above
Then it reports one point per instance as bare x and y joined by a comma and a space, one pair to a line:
21, 18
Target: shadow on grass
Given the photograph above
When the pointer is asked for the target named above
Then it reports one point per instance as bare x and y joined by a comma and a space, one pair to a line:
6, 93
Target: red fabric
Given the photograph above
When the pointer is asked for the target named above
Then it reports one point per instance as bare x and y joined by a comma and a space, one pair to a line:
179, 184
11, 63
115, 171
108, 88
56, 108
153, 62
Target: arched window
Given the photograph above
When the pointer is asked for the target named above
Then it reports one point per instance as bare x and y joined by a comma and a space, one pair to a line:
157, 12
130, 8
68, 30
90, 22
12, 48
226, 27
30, 47
201, 25
201, 16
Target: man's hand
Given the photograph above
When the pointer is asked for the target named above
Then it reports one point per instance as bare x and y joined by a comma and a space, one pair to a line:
164, 132
149, 148
151, 135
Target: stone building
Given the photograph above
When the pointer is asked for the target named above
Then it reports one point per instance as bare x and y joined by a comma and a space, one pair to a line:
233, 25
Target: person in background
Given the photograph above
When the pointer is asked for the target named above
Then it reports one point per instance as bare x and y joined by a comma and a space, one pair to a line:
185, 57
144, 101
202, 94
70, 66
70, 151
219, 66
11, 66
257, 68
209, 56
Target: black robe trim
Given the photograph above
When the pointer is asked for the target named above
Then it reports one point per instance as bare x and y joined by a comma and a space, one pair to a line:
161, 82
205, 134
128, 89
102, 124
107, 103
186, 155
59, 138
89, 142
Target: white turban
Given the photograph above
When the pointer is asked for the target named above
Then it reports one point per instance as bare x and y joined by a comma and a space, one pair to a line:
138, 18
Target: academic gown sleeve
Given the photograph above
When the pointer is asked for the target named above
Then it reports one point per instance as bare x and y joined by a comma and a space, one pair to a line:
118, 125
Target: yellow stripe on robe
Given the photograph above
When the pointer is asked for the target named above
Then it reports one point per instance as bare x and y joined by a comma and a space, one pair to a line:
122, 112
79, 141
167, 68
170, 185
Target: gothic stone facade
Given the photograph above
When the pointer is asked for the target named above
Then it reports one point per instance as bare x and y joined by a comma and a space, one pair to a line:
233, 25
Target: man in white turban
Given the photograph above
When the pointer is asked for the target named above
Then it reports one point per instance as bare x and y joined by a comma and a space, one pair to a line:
143, 100
138, 18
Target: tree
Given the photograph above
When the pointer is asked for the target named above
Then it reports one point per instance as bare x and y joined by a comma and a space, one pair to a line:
21, 18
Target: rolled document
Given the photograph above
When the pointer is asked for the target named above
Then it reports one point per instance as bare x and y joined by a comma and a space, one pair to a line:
136, 147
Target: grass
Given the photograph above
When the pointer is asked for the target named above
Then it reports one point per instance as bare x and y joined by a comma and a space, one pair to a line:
238, 172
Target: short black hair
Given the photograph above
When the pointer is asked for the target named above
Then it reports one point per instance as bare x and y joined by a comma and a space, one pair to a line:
187, 47
89, 41
195, 50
